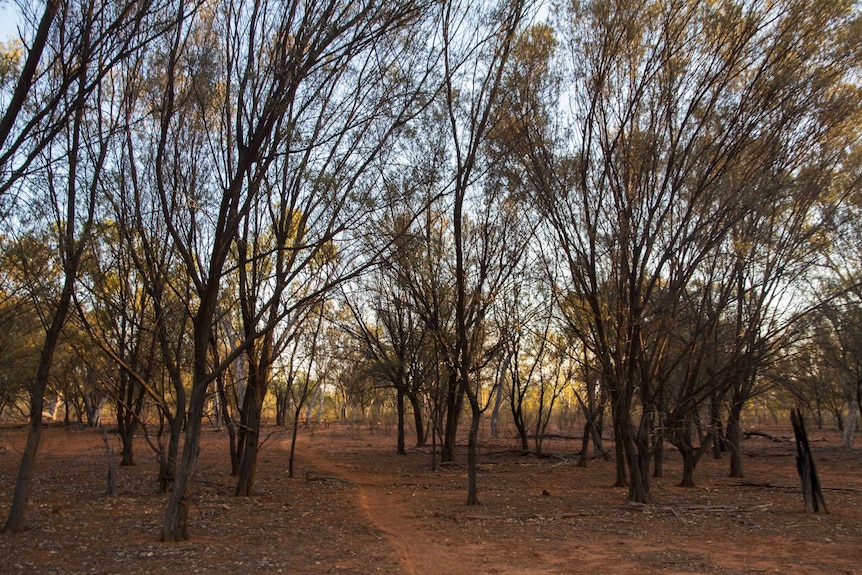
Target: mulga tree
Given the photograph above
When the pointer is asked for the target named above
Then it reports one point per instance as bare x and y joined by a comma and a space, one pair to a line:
673, 110
477, 44
251, 99
57, 148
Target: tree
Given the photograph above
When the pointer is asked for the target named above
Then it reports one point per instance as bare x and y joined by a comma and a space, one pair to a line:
89, 40
304, 60
476, 50
675, 108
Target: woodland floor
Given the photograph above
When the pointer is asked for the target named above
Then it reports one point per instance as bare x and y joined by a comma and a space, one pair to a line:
358, 508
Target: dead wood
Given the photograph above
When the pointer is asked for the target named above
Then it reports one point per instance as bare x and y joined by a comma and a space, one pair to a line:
777, 439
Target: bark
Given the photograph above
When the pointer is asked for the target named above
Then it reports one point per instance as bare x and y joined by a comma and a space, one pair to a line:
128, 415
28, 72
251, 415
229, 423
585, 441
250, 442
169, 459
472, 453
23, 482
635, 451
811, 491
621, 437
418, 422
290, 460
454, 404
691, 455
175, 526
399, 403
734, 440
850, 422
495, 412
620, 459
517, 405
658, 458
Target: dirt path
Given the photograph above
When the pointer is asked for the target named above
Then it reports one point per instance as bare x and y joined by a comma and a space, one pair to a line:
413, 548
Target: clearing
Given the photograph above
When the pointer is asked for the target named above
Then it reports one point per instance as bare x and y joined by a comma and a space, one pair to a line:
357, 507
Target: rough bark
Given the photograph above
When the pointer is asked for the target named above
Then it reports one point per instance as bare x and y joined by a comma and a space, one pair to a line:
734, 440
812, 494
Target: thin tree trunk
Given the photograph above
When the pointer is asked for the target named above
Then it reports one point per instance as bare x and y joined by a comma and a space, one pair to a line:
850, 422
585, 441
25, 80
399, 404
418, 420
290, 460
23, 482
472, 453
734, 440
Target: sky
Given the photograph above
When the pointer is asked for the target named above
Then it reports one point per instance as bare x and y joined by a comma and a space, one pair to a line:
7, 20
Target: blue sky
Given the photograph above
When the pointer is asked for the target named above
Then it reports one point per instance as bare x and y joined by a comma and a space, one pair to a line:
7, 20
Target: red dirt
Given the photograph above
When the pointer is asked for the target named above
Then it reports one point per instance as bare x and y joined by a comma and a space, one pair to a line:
357, 507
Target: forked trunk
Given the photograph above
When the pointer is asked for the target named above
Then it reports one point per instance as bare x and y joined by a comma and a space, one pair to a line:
175, 526
454, 404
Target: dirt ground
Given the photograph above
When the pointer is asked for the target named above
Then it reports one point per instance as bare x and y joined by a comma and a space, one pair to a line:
358, 508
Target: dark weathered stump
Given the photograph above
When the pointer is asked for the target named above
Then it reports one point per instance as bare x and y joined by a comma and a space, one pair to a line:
111, 490
811, 492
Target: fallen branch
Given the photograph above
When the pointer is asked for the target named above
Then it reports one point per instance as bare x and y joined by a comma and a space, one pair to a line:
750, 434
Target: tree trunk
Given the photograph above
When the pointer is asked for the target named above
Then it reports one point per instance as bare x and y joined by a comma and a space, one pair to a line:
658, 457
175, 526
635, 450
168, 463
518, 418
472, 453
230, 424
850, 422
290, 459
454, 404
621, 437
23, 482
585, 441
596, 432
734, 440
811, 491
252, 408
689, 463
399, 404
495, 412
128, 414
418, 422
127, 454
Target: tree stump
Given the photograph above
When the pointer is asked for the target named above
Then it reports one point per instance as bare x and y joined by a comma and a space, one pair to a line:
811, 492
111, 490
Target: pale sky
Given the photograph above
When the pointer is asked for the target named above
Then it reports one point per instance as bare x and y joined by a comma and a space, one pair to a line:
7, 21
